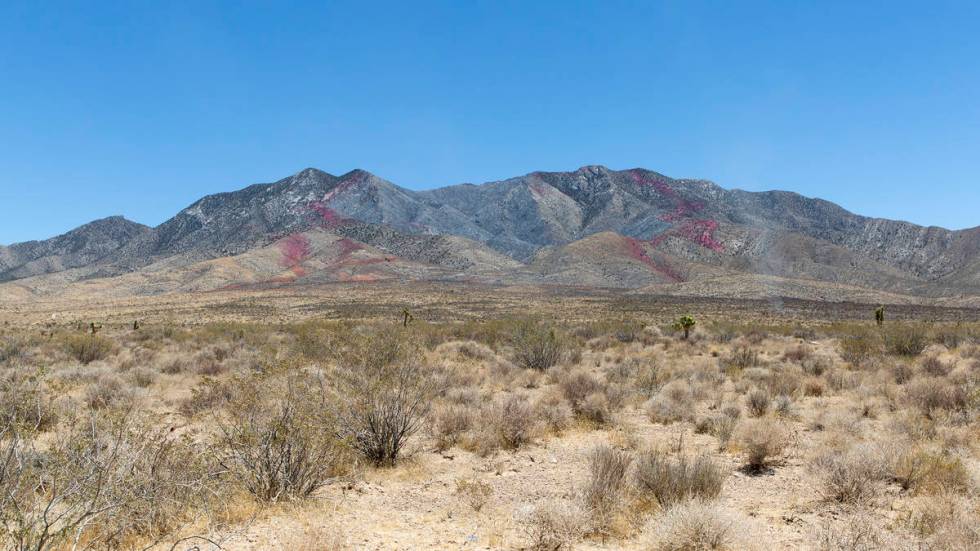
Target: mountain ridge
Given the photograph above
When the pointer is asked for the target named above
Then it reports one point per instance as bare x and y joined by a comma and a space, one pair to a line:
677, 230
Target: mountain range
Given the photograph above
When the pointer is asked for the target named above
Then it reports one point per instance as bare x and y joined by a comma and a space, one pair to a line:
593, 227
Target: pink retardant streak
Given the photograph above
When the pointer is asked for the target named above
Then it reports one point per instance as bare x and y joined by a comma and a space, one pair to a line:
683, 225
329, 218
700, 231
635, 248
294, 249
347, 246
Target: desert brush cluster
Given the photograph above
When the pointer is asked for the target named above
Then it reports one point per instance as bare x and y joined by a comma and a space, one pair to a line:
512, 433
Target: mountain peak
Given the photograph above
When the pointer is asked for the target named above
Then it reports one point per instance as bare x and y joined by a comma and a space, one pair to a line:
594, 169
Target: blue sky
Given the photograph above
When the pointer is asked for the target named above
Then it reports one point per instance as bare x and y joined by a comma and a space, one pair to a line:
140, 108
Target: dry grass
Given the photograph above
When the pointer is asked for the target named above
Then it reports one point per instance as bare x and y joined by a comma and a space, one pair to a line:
761, 440
700, 526
670, 480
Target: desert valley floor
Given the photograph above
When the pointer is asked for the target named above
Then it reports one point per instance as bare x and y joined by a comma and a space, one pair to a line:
531, 418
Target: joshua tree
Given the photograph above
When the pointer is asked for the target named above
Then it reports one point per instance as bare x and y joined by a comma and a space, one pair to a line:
880, 315
685, 323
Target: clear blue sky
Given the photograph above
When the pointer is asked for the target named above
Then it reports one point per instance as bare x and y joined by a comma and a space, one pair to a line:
140, 108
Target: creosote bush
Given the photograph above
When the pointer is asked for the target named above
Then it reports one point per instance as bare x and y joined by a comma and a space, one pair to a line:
741, 358
384, 394
905, 340
88, 348
280, 448
107, 482
27, 403
860, 346
536, 345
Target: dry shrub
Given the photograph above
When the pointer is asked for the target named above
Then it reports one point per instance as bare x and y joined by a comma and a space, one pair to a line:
88, 348
783, 406
474, 493
854, 476
704, 425
742, 357
209, 395
934, 367
603, 494
596, 409
588, 397
26, 403
757, 402
905, 339
142, 376
554, 525
12, 349
383, 394
465, 350
798, 353
108, 391
946, 521
815, 366
723, 428
648, 377
674, 402
554, 413
902, 373
950, 337
858, 532
536, 345
449, 423
512, 422
784, 380
925, 472
813, 386
761, 440
210, 361
317, 537
672, 480
839, 379
933, 396
859, 347
698, 526
282, 448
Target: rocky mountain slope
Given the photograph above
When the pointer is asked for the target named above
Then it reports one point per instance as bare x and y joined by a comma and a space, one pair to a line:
82, 246
592, 227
